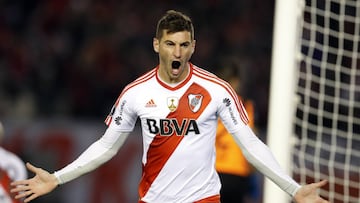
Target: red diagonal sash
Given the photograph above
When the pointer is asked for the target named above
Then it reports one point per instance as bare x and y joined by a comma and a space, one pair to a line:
5, 183
162, 147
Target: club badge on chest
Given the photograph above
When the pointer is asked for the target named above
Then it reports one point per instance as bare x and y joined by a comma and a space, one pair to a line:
195, 101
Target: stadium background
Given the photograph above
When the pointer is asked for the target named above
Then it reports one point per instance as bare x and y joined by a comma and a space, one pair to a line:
64, 62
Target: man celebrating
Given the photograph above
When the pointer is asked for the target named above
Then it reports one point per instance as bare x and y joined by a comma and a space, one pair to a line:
178, 104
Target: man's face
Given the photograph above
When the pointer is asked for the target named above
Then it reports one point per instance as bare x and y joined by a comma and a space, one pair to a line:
172, 47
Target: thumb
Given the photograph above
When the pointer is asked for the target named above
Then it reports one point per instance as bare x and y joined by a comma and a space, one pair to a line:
31, 167
321, 183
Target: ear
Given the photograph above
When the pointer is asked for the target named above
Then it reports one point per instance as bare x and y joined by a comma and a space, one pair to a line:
156, 44
193, 46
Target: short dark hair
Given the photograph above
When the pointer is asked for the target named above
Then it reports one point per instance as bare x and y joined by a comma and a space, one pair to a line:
174, 21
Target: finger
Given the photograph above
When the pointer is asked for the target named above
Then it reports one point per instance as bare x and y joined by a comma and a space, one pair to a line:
31, 167
321, 183
33, 196
20, 182
23, 194
20, 188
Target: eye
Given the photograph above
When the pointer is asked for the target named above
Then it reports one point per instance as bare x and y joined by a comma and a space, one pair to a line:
169, 43
185, 45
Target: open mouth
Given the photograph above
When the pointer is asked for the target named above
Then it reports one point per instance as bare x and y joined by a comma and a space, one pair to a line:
175, 64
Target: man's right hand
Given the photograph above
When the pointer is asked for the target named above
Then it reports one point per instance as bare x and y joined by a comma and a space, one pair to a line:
42, 183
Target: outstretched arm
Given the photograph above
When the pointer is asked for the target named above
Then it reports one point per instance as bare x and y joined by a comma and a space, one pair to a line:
260, 156
43, 182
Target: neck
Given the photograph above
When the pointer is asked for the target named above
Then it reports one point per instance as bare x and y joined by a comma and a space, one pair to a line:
162, 75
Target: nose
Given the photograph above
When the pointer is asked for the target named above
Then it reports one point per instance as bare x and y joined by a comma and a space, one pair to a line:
177, 51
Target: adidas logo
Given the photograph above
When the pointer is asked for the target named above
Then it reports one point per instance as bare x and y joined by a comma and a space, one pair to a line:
150, 103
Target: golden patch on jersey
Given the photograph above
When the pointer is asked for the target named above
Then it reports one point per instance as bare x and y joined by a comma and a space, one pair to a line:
195, 101
172, 103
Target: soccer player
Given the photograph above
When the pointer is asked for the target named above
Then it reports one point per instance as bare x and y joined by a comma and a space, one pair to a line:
178, 104
12, 168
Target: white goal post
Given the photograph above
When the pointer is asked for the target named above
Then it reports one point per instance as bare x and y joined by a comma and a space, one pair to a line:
282, 88
314, 110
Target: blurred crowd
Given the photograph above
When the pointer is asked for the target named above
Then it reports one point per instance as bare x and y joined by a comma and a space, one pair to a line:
71, 58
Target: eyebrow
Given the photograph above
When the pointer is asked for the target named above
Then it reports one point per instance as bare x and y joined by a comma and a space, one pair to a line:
183, 43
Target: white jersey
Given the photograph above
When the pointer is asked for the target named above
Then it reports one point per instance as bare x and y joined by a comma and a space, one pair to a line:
11, 168
178, 126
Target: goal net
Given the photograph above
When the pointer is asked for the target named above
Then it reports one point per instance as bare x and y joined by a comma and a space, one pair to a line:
327, 115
